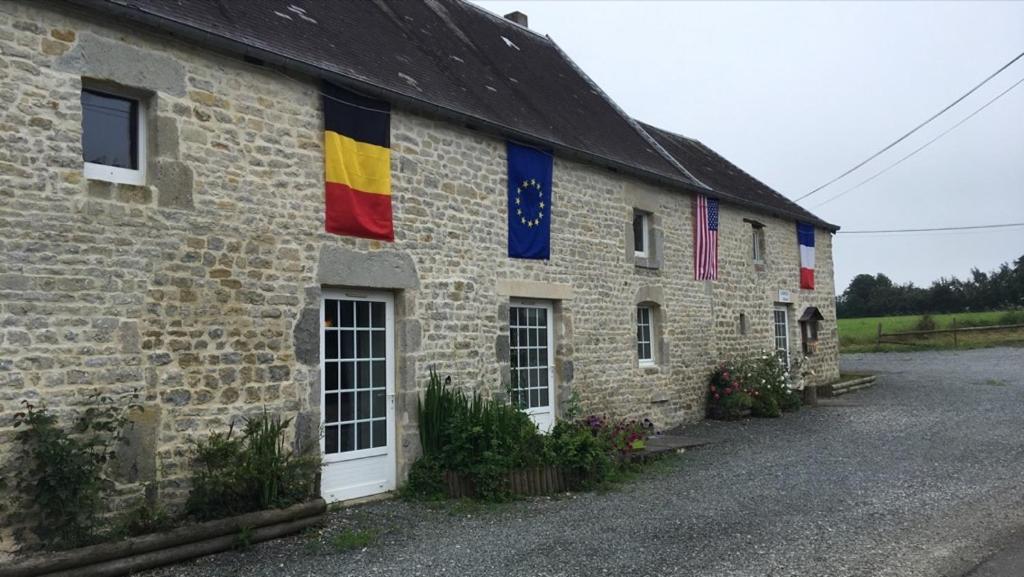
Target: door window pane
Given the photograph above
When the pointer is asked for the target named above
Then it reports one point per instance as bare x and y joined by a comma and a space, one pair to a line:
347, 309
348, 380
363, 435
330, 376
331, 439
347, 345
330, 344
363, 380
348, 440
363, 405
347, 407
377, 344
362, 314
380, 433
331, 408
331, 314
377, 315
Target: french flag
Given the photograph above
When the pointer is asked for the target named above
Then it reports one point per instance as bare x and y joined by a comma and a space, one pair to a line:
805, 236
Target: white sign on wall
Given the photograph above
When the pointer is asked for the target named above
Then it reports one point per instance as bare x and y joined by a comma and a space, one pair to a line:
784, 296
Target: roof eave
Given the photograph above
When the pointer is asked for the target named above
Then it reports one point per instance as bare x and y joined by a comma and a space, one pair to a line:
404, 100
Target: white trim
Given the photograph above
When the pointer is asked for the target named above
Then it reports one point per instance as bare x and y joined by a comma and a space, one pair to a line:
775, 335
115, 174
387, 451
650, 361
758, 241
550, 410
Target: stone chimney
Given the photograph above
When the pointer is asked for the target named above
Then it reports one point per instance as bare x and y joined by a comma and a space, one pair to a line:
519, 18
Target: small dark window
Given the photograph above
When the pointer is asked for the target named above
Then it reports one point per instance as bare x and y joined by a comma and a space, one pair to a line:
743, 323
110, 130
640, 239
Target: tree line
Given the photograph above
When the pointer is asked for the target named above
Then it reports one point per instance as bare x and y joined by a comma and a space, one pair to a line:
876, 295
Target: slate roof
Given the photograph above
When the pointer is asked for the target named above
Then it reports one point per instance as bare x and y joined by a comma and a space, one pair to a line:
448, 58
446, 54
728, 180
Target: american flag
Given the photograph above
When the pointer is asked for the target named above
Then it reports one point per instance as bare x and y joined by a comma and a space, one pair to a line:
705, 239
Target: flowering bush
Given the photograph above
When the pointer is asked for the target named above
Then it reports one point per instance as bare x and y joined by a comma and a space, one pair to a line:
622, 436
727, 397
762, 384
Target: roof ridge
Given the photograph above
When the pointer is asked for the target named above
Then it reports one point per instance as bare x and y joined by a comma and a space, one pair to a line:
629, 119
672, 132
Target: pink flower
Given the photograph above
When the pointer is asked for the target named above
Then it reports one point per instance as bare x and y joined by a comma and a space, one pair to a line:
716, 396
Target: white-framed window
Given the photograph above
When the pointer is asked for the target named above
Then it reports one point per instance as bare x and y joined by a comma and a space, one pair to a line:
113, 136
781, 318
641, 234
757, 243
645, 335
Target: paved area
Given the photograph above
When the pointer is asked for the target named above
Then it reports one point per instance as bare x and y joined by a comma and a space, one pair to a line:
922, 475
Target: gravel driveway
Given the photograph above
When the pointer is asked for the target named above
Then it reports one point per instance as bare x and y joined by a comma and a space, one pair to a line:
920, 475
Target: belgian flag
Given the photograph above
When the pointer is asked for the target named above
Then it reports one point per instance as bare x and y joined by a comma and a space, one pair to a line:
357, 165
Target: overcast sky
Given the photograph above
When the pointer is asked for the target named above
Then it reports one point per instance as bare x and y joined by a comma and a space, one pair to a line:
796, 93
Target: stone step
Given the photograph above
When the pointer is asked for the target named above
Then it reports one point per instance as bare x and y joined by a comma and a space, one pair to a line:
847, 386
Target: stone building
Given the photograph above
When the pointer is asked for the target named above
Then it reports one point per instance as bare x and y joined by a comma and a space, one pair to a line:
202, 278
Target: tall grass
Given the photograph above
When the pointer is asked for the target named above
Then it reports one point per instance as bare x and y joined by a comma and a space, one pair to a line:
440, 406
256, 470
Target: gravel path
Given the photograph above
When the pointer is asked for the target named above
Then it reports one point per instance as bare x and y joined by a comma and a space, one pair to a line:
918, 476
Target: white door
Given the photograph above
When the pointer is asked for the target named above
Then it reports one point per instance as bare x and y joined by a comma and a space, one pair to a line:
782, 334
357, 370
532, 360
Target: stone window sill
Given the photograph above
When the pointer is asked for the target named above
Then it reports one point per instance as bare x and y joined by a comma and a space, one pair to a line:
646, 263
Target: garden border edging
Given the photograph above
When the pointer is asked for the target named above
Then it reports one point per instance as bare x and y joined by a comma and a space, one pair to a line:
155, 549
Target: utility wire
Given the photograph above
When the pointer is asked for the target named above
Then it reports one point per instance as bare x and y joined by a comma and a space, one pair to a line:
916, 128
920, 148
937, 229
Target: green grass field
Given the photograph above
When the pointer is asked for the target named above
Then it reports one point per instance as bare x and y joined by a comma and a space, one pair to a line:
859, 335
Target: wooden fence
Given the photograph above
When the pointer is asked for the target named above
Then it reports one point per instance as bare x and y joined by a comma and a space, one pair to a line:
534, 481
895, 338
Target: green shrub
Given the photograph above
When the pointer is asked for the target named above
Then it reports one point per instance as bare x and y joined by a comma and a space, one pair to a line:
489, 439
426, 481
142, 520
1012, 318
484, 440
925, 323
233, 475
790, 401
62, 472
765, 406
575, 447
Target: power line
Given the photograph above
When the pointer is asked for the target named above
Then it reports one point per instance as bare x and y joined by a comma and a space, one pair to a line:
916, 128
937, 229
920, 148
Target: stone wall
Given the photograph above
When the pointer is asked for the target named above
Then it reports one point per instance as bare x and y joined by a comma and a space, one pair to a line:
200, 290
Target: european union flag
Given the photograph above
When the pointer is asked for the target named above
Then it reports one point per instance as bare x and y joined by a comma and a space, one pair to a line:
529, 202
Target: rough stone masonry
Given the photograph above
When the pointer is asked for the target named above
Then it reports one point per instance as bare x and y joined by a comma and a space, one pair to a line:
200, 290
